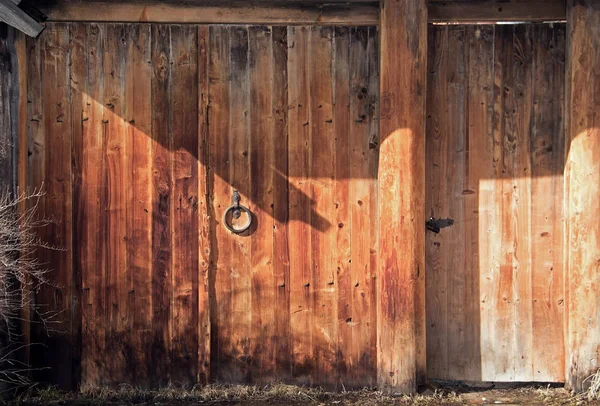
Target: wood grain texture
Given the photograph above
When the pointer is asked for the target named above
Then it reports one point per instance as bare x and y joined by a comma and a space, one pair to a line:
401, 181
167, 121
494, 165
582, 180
299, 13
138, 77
184, 225
57, 205
160, 363
300, 213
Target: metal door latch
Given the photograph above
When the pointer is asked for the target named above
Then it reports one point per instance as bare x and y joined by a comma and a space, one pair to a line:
236, 210
436, 225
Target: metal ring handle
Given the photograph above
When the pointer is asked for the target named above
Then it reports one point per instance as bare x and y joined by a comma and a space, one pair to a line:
239, 208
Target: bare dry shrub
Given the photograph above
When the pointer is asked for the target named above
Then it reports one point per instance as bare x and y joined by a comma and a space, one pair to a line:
21, 275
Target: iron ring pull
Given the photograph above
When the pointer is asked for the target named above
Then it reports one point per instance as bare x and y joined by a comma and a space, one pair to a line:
236, 208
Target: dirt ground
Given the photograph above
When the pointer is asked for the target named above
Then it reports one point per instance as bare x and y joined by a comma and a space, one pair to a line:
437, 393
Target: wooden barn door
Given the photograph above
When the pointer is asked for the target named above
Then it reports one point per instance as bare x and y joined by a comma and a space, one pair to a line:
292, 126
495, 151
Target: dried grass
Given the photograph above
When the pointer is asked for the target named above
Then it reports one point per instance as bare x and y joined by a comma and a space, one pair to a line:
593, 391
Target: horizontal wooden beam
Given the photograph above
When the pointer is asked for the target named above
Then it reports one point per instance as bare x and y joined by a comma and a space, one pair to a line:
280, 12
12, 15
489, 11
256, 13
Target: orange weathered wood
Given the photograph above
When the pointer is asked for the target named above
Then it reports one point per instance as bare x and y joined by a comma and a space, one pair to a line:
547, 152
116, 149
342, 259
184, 216
464, 327
162, 199
78, 62
138, 77
362, 199
401, 181
220, 198
437, 204
281, 247
582, 187
262, 143
494, 161
300, 206
56, 302
91, 243
323, 233
238, 165
167, 120
204, 230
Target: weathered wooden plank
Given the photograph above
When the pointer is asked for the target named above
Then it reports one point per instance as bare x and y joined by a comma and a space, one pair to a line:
117, 151
57, 205
300, 212
281, 248
184, 219
12, 15
22, 164
220, 196
162, 199
362, 205
78, 61
438, 198
478, 135
91, 231
501, 157
518, 137
401, 261
138, 80
261, 202
239, 256
582, 185
464, 12
264, 14
291, 13
346, 363
547, 152
323, 233
369, 358
204, 230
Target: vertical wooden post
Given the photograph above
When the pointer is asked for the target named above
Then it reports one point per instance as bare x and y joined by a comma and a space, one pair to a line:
582, 191
401, 181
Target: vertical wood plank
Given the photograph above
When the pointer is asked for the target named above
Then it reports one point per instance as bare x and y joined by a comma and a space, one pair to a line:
476, 204
57, 205
299, 140
281, 248
322, 179
161, 204
22, 166
118, 178
440, 62
261, 203
219, 144
139, 216
401, 182
204, 230
78, 96
346, 362
547, 152
239, 158
522, 107
184, 219
582, 186
91, 209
